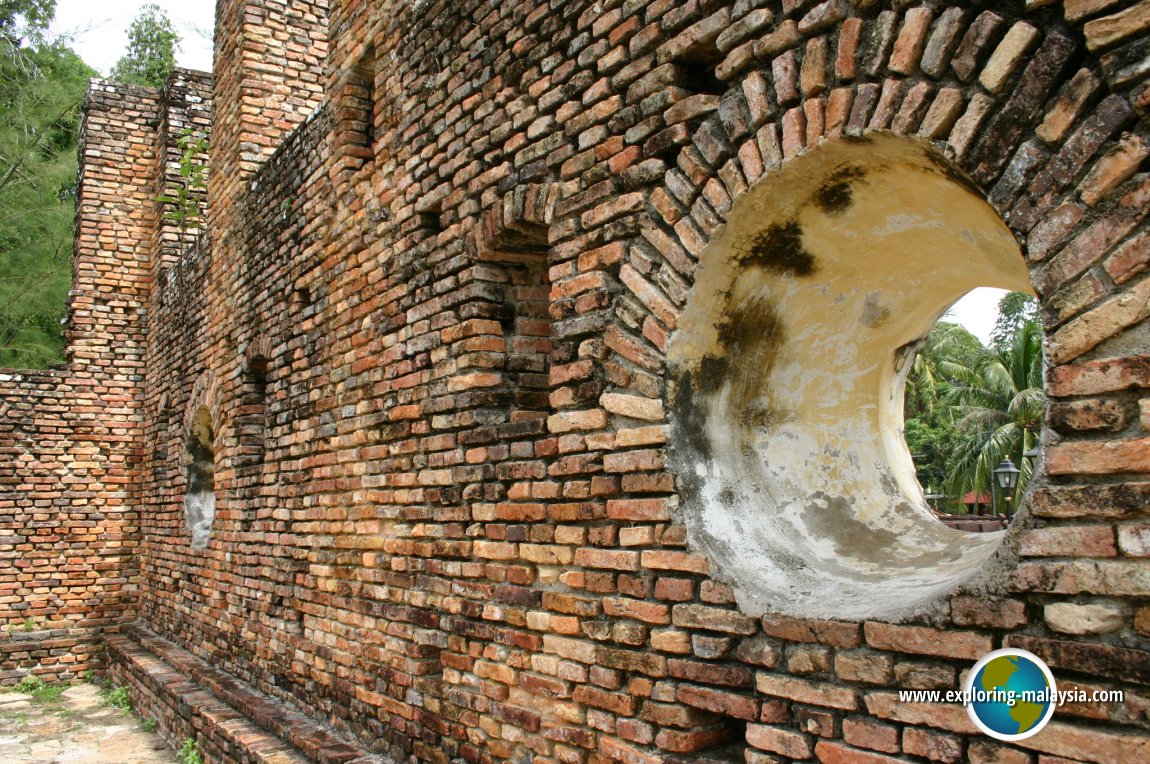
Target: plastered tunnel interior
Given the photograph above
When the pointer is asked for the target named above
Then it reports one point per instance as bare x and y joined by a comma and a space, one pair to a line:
787, 376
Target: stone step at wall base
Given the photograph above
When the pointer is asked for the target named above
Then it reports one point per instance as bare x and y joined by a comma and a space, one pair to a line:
231, 722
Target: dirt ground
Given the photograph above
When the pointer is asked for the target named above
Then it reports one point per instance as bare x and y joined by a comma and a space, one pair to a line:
78, 727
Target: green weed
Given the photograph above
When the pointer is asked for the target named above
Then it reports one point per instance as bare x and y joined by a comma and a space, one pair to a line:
117, 697
189, 753
41, 691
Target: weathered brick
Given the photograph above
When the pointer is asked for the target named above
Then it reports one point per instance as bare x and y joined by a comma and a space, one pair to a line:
1070, 618
1108, 30
943, 40
846, 54
725, 703
831, 752
793, 745
1087, 416
1103, 458
871, 668
988, 613
1117, 578
942, 115
984, 752
923, 640
980, 35
1100, 324
834, 633
805, 691
911, 41
931, 745
886, 705
1069, 541
712, 619
867, 734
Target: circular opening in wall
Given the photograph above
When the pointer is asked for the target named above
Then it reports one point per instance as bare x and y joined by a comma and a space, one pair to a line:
200, 496
787, 378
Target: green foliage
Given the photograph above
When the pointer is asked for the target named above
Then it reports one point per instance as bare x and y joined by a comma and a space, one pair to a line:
1014, 310
968, 407
185, 206
148, 725
117, 697
41, 691
22, 20
189, 753
929, 430
946, 349
152, 44
41, 87
998, 405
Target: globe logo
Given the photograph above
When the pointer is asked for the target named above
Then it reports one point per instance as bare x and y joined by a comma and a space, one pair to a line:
1010, 694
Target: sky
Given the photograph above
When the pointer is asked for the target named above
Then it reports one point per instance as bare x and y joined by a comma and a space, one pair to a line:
977, 311
98, 29
99, 33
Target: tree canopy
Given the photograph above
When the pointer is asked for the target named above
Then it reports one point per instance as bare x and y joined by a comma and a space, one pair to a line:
151, 54
25, 19
1014, 310
967, 407
42, 84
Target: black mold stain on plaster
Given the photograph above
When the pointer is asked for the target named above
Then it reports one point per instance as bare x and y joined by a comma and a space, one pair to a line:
750, 337
953, 173
780, 249
836, 195
690, 407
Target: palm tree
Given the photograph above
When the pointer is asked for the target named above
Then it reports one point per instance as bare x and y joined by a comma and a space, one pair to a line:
945, 352
998, 404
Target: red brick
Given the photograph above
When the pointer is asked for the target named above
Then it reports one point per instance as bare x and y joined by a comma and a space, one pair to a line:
907, 53
1099, 458
790, 744
804, 691
1086, 744
683, 561
830, 752
931, 745
640, 610
1069, 541
950, 717
923, 640
834, 633
867, 734
638, 510
988, 613
713, 619
709, 673
726, 703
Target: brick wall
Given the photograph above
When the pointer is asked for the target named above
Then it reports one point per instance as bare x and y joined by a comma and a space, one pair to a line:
70, 439
412, 544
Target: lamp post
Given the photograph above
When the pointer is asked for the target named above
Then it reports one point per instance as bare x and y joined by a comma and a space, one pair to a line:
1006, 476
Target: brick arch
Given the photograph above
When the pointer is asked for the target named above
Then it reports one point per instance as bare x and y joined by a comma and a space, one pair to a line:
1034, 110
258, 353
205, 394
1051, 141
515, 226
1055, 146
